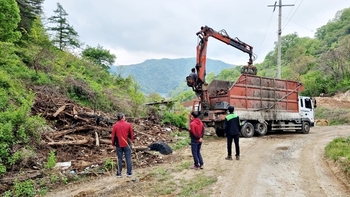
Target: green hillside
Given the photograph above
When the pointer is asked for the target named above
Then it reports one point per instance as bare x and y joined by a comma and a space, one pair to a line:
162, 76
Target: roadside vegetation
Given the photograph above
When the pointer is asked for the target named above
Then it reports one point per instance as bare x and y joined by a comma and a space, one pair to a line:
35, 56
339, 151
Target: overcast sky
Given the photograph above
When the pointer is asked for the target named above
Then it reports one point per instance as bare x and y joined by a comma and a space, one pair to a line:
137, 30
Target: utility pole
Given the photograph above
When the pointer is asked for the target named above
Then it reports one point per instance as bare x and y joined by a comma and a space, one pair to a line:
279, 34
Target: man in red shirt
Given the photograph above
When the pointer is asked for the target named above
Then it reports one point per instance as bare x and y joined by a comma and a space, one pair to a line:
196, 134
122, 136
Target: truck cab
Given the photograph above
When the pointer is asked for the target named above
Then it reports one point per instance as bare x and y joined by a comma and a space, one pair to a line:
306, 109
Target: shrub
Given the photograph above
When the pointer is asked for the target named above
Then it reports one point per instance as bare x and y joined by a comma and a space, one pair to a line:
25, 188
179, 120
51, 160
109, 164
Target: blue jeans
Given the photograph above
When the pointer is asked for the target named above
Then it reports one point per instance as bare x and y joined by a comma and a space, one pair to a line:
196, 153
127, 152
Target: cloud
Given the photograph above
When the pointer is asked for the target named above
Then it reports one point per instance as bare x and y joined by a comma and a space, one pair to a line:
138, 30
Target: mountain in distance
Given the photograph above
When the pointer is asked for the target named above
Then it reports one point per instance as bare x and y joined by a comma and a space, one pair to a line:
163, 75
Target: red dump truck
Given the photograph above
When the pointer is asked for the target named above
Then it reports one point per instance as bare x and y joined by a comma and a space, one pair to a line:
263, 104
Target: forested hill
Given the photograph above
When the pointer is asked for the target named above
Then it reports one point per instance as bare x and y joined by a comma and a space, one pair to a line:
163, 75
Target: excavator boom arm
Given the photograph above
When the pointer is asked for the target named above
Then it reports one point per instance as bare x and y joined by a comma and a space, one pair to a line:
198, 83
222, 36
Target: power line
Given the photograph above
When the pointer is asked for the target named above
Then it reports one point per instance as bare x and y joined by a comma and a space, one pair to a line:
293, 14
265, 33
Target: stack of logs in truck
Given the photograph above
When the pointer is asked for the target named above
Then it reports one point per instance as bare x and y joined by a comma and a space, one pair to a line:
263, 104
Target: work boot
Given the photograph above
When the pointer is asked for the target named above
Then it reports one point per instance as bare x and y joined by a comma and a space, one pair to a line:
228, 158
237, 157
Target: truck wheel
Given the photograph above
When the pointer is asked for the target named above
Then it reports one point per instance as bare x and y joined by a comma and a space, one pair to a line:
260, 128
247, 130
220, 132
305, 128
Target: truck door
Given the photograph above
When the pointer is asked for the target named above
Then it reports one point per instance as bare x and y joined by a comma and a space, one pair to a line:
306, 109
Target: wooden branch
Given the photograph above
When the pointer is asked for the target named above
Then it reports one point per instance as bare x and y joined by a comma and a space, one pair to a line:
102, 128
97, 139
74, 142
48, 138
59, 110
144, 133
105, 141
69, 137
21, 176
140, 148
64, 132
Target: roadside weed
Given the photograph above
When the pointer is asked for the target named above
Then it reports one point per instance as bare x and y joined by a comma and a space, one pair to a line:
339, 151
51, 160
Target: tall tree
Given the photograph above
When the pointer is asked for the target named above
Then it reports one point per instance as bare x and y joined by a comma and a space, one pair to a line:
65, 35
9, 19
29, 10
99, 56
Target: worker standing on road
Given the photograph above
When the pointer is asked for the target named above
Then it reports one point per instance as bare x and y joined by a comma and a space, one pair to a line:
196, 134
122, 136
232, 128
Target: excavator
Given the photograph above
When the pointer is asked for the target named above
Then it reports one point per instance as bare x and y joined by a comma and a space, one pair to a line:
199, 85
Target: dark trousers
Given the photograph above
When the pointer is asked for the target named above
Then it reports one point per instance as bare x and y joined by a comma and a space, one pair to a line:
127, 152
196, 153
231, 138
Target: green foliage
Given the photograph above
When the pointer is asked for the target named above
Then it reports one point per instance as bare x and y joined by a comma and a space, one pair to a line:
182, 139
25, 188
29, 10
51, 160
65, 35
99, 56
9, 19
154, 97
314, 83
136, 96
16, 126
193, 186
185, 95
179, 120
339, 150
2, 168
53, 178
64, 180
109, 164
230, 74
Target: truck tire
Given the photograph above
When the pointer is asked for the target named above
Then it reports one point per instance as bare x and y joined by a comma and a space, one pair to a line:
161, 147
220, 132
260, 128
247, 130
305, 128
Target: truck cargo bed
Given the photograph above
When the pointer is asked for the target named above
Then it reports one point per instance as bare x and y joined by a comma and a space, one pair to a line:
254, 93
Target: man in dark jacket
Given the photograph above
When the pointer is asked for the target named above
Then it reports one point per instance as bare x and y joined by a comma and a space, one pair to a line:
196, 134
121, 136
232, 129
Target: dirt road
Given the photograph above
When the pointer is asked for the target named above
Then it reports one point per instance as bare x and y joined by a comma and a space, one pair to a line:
284, 164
